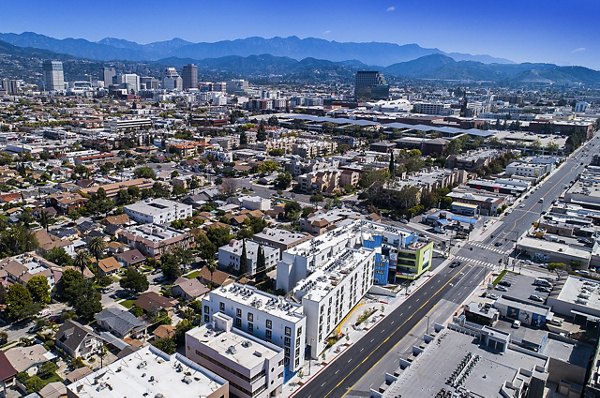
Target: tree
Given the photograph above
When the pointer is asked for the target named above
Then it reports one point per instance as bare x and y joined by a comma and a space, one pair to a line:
283, 180
206, 248
392, 165
134, 280
244, 263
261, 134
96, 246
212, 267
58, 256
455, 147
180, 330
144, 172
69, 283
45, 220
87, 302
39, 289
228, 186
34, 384
316, 199
166, 345
19, 304
268, 166
82, 260
292, 210
261, 266
170, 266
17, 240
243, 139
47, 369
219, 236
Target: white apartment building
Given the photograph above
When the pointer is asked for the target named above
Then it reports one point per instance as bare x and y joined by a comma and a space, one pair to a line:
254, 368
296, 263
230, 255
157, 211
268, 317
218, 155
330, 293
432, 108
255, 203
528, 169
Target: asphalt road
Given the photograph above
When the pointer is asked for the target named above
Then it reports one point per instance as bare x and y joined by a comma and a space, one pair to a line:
354, 363
340, 378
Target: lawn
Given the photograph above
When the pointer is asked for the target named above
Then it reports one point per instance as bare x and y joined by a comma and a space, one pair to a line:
127, 303
499, 277
193, 275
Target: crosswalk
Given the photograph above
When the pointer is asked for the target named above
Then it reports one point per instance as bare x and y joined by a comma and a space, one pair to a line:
488, 248
471, 261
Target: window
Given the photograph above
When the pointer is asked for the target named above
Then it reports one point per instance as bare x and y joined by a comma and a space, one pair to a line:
299, 330
250, 327
222, 307
297, 361
287, 352
206, 309
238, 312
298, 342
238, 322
288, 331
287, 341
269, 335
250, 317
280, 363
269, 324
206, 319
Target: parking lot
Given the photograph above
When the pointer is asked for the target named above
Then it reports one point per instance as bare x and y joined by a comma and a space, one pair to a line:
521, 287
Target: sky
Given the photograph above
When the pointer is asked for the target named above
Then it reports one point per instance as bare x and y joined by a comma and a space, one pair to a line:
564, 32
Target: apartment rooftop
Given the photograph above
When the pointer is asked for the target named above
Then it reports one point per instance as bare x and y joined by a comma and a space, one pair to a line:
154, 207
153, 232
335, 237
473, 156
149, 372
318, 284
276, 306
282, 236
235, 345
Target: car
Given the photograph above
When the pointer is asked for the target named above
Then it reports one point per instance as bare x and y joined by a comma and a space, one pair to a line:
501, 288
544, 289
491, 296
34, 329
497, 244
516, 324
505, 283
535, 297
521, 205
455, 264
582, 272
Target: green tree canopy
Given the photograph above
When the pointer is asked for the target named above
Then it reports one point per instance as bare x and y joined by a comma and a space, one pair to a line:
19, 303
39, 288
134, 280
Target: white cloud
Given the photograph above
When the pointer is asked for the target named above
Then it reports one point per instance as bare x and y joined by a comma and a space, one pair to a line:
578, 50
390, 9
327, 32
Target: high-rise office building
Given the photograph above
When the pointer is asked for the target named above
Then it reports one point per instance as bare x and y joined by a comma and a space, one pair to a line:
370, 85
108, 75
54, 78
190, 76
131, 81
172, 80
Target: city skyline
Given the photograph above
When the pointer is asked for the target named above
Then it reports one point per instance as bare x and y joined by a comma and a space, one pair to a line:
520, 31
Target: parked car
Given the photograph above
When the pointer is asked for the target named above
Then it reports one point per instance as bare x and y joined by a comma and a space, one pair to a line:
491, 296
535, 297
501, 288
497, 244
516, 324
505, 283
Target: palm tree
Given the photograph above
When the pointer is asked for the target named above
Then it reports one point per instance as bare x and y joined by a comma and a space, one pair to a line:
82, 259
96, 246
212, 267
45, 219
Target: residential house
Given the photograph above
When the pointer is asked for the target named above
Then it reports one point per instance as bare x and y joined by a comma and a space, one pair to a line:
120, 322
132, 257
152, 303
77, 340
188, 289
108, 266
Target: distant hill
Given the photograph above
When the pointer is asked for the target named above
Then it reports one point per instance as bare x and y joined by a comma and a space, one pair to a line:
372, 53
441, 67
26, 63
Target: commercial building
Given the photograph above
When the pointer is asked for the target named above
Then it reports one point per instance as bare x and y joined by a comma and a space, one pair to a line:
576, 298
525, 311
155, 240
114, 188
586, 190
119, 126
524, 169
108, 74
149, 372
172, 80
509, 187
549, 251
129, 81
487, 203
268, 317
157, 211
433, 108
190, 76
371, 85
54, 78
231, 254
253, 368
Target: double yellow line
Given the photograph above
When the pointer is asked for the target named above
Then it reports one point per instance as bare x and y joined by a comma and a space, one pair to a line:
456, 275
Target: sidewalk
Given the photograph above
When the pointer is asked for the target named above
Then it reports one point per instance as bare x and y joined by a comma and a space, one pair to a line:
381, 306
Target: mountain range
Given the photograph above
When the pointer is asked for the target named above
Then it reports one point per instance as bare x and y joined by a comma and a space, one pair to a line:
371, 53
25, 63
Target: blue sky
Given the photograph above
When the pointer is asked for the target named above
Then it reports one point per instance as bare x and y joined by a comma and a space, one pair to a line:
556, 31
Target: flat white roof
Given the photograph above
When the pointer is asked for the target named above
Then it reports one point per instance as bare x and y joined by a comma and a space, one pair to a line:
553, 247
149, 372
240, 349
153, 232
582, 291
250, 296
153, 207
